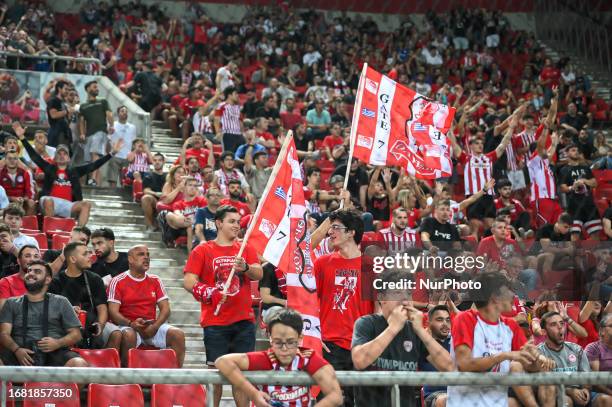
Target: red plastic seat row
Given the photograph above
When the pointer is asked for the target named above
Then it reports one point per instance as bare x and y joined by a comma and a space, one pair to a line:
53, 225
162, 395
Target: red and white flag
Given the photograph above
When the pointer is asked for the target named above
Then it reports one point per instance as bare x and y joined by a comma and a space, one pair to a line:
396, 126
279, 234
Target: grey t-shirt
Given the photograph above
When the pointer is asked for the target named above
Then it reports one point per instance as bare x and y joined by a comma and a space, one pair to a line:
61, 318
571, 358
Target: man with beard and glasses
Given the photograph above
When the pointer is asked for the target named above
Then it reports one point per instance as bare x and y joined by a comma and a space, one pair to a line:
235, 192
27, 338
133, 297
110, 262
96, 123
569, 357
439, 327
399, 237
85, 291
14, 285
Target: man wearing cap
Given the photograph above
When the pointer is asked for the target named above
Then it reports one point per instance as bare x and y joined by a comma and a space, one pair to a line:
96, 122
61, 193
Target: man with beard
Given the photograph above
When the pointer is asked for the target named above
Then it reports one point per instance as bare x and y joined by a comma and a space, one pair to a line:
437, 233
85, 291
232, 329
519, 217
8, 251
152, 184
439, 327
30, 340
109, 262
96, 123
133, 297
569, 357
59, 115
205, 228
235, 192
227, 172
578, 182
14, 285
399, 237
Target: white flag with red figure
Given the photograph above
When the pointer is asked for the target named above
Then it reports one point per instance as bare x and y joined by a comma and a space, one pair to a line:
396, 126
279, 234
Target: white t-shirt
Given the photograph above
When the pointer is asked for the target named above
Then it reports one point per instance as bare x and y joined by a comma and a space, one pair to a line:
26, 157
311, 57
4, 201
127, 132
23, 240
227, 79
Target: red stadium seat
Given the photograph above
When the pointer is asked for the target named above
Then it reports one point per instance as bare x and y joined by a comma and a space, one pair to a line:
152, 359
185, 395
30, 222
108, 357
9, 402
29, 232
60, 395
52, 225
108, 395
41, 238
59, 240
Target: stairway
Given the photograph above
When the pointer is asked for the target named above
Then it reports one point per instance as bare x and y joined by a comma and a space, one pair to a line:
163, 142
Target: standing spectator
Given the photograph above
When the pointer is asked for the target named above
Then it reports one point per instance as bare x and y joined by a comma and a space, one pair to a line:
339, 283
14, 285
318, 121
123, 131
12, 217
439, 319
153, 184
205, 228
85, 291
232, 330
8, 253
394, 339
96, 124
285, 329
133, 297
35, 343
61, 193
543, 192
519, 217
228, 123
578, 182
109, 262
257, 171
573, 121
149, 84
569, 357
18, 183
225, 77
600, 353
59, 115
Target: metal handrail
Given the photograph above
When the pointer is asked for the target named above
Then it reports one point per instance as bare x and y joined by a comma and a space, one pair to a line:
54, 58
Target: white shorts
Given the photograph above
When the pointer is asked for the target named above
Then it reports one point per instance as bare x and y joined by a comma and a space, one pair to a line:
61, 207
159, 340
109, 328
95, 144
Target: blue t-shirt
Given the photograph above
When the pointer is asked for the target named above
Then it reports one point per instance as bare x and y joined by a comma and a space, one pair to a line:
205, 217
425, 366
241, 151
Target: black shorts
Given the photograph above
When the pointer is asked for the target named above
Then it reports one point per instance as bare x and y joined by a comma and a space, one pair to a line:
238, 337
57, 358
484, 207
231, 142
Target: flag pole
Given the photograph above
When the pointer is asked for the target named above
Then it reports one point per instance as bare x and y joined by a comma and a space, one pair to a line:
353, 135
277, 165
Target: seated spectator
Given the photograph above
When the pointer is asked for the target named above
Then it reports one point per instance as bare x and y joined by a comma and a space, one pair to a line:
235, 195
55, 258
14, 285
520, 218
195, 146
263, 136
133, 309
569, 357
332, 140
600, 353
109, 262
18, 184
498, 247
12, 217
205, 228
439, 321
250, 147
273, 291
227, 172
153, 184
123, 131
41, 147
285, 330
61, 193
139, 158
437, 234
8, 253
556, 250
379, 344
36, 344
182, 218
318, 121
86, 293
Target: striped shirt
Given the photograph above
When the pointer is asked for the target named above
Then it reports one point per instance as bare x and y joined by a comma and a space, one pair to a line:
542, 178
230, 118
477, 171
140, 163
399, 243
520, 140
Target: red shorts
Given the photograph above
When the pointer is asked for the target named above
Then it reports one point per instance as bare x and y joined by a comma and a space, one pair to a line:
547, 210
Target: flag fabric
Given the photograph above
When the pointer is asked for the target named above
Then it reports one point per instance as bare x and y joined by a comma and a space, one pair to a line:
279, 234
397, 126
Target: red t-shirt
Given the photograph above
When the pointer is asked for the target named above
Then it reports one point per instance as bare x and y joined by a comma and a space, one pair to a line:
200, 153
62, 187
339, 283
487, 246
137, 298
189, 208
12, 286
212, 264
516, 207
517, 308
592, 334
291, 396
550, 73
187, 105
332, 141
18, 187
243, 209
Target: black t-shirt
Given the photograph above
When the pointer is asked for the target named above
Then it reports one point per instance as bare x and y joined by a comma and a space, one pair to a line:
270, 280
380, 208
576, 122
356, 180
8, 264
403, 354
548, 232
57, 104
102, 268
154, 181
75, 289
608, 214
440, 232
572, 173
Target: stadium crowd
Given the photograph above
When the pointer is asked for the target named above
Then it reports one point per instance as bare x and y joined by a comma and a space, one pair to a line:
529, 194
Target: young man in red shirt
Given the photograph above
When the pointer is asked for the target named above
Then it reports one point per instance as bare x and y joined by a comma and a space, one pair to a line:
285, 330
518, 216
133, 297
182, 217
235, 192
339, 282
195, 146
499, 247
232, 330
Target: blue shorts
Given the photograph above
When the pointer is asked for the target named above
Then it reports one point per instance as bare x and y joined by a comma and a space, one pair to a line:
238, 337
